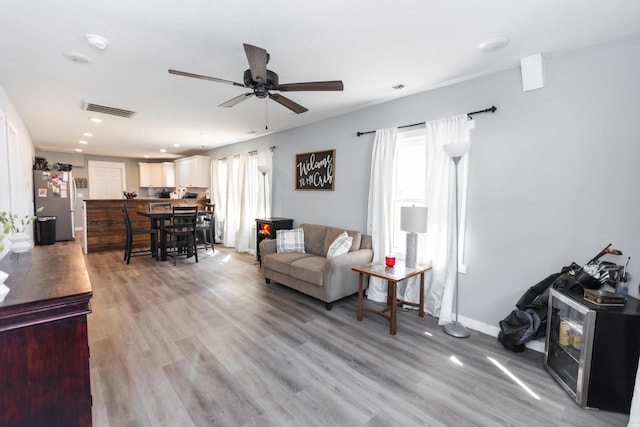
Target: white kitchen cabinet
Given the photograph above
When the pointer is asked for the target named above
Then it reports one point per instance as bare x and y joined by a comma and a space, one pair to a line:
168, 172
157, 174
193, 171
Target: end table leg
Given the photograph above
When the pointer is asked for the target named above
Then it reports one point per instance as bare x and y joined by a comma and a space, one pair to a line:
394, 307
360, 296
421, 309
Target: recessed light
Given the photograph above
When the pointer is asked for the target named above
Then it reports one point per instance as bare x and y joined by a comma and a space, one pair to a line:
78, 150
95, 120
97, 41
77, 57
162, 150
494, 44
88, 134
176, 145
82, 141
146, 157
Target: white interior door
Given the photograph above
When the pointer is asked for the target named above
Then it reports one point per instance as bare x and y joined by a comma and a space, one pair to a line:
107, 180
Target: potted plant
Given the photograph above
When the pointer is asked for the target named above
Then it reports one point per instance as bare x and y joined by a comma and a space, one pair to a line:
12, 223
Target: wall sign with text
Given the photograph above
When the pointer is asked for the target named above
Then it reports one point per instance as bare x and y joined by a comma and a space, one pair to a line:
315, 171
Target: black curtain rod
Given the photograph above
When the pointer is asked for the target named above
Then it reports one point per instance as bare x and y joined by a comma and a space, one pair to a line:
492, 109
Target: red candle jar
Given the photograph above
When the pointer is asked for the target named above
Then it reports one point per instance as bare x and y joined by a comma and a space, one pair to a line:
390, 260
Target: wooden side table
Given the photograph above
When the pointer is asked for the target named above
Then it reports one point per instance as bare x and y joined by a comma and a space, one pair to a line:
392, 275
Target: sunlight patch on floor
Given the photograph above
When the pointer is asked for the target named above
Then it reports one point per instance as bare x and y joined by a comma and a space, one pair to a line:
514, 378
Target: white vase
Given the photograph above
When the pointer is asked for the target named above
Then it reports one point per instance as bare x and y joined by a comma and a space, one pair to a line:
4, 289
20, 242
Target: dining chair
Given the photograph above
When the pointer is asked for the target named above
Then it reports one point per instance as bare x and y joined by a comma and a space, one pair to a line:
182, 232
128, 249
207, 225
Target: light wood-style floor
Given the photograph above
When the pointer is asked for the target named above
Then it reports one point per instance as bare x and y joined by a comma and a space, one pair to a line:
211, 344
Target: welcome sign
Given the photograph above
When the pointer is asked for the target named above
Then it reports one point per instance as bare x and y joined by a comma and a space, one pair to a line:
315, 171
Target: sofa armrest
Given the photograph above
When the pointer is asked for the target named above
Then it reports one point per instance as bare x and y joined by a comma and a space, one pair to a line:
340, 279
350, 259
267, 246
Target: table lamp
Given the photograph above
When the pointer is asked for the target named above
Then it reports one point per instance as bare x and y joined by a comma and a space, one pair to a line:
413, 220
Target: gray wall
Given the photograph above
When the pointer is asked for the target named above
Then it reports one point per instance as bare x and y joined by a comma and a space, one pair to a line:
552, 175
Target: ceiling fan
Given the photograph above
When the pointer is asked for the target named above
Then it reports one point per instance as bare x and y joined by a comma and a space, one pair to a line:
262, 81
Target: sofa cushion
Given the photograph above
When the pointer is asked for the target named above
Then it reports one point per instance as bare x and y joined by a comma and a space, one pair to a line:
340, 245
333, 232
290, 240
314, 236
282, 262
309, 269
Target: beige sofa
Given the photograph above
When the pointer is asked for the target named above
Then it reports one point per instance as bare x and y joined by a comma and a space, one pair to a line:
312, 273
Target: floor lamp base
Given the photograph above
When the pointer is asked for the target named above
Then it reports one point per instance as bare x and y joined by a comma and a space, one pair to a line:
456, 329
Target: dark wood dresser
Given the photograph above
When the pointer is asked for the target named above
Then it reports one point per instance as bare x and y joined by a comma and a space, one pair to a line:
44, 351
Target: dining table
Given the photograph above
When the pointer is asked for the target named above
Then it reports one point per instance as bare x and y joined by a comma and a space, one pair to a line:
159, 219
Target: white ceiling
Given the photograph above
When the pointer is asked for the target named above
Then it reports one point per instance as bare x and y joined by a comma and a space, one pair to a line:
371, 46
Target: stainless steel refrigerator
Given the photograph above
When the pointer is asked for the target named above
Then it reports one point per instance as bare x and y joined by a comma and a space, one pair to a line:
55, 192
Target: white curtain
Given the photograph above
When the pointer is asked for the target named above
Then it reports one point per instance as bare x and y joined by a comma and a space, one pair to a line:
247, 207
238, 191
439, 242
380, 209
218, 194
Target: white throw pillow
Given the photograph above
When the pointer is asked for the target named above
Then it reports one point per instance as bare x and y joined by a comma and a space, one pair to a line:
340, 246
290, 240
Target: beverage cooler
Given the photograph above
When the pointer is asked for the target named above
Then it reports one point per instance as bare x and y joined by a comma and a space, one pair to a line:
592, 351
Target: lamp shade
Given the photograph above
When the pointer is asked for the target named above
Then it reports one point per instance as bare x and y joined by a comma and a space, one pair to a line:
264, 168
413, 219
456, 149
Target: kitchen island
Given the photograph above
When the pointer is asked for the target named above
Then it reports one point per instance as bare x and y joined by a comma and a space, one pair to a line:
104, 227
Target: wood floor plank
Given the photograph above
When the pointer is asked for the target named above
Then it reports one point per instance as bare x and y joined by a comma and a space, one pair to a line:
209, 343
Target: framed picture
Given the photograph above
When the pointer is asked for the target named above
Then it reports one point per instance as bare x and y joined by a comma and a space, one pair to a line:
316, 170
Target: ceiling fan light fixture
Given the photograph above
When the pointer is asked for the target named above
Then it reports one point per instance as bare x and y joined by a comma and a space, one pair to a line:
494, 44
97, 41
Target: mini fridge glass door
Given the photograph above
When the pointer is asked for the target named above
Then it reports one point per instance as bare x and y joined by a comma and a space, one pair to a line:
570, 327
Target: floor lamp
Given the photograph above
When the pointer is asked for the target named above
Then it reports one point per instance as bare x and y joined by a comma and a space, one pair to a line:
263, 170
456, 151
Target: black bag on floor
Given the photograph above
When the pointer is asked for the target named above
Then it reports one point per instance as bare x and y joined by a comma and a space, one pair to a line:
529, 321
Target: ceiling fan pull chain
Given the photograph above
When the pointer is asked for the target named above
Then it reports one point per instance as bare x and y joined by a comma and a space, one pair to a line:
266, 115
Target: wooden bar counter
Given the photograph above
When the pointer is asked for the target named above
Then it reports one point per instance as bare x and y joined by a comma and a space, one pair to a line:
104, 224
44, 349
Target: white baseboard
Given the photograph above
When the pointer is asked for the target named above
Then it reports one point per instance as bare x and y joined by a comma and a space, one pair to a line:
536, 345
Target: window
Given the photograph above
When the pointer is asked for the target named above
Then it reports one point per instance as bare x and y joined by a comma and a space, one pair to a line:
410, 188
409, 181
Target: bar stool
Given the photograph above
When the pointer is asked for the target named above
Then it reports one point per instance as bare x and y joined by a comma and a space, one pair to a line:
207, 225
182, 232
128, 249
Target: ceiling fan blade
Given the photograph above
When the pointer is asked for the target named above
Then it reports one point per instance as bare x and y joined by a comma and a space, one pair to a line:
286, 102
258, 59
238, 99
198, 76
311, 86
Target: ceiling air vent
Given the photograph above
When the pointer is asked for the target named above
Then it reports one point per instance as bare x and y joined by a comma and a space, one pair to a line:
88, 106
